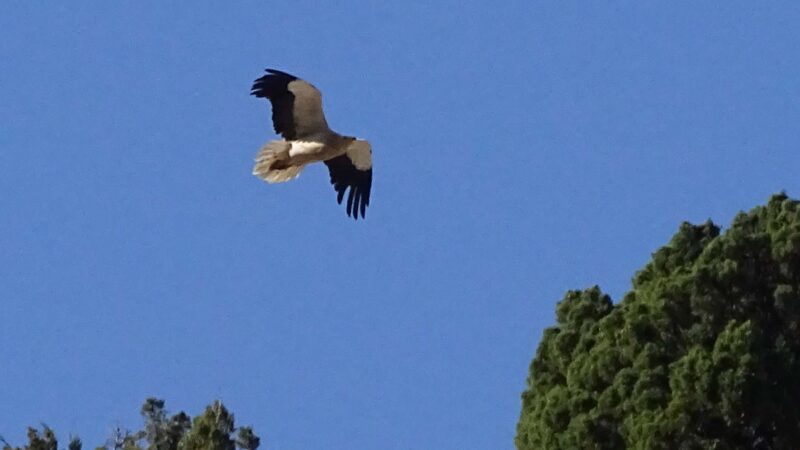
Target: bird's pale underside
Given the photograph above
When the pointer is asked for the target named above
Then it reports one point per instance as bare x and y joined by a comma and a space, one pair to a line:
298, 117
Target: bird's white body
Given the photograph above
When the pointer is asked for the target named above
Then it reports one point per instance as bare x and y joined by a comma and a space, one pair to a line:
280, 161
305, 148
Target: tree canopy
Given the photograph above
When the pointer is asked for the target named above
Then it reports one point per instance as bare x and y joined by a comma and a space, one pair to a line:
212, 430
703, 352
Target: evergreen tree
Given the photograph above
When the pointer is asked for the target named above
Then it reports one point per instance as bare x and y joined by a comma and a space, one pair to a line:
44, 440
213, 430
702, 353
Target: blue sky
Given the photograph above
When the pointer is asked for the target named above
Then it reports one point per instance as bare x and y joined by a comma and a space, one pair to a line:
521, 149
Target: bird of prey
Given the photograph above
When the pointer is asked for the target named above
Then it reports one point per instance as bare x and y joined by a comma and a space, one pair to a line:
297, 116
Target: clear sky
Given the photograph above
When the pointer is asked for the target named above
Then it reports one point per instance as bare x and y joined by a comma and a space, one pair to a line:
521, 149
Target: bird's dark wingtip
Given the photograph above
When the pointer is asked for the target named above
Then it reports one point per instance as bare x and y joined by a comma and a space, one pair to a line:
280, 73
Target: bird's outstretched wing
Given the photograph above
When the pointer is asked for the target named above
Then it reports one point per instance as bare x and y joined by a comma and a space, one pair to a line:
296, 104
353, 170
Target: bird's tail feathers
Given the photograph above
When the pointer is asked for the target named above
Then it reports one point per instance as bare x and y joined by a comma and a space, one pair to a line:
272, 163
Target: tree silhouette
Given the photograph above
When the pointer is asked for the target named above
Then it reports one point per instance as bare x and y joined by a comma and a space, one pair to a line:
212, 430
703, 352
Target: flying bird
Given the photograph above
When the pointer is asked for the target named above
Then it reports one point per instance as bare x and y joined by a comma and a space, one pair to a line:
297, 116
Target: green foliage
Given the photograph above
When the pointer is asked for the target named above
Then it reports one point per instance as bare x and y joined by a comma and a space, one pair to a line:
213, 430
701, 353
44, 440
161, 432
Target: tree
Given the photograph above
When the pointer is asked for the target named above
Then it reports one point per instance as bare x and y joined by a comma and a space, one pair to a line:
213, 430
46, 440
703, 352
